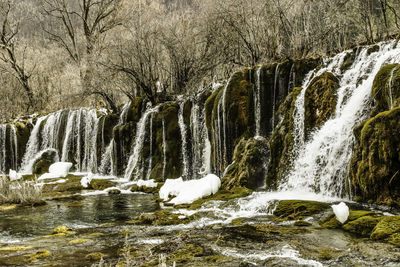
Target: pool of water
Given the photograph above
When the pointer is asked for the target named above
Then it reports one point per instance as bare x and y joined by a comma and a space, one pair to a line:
29, 222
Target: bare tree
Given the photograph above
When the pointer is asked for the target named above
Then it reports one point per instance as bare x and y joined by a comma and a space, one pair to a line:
14, 60
79, 26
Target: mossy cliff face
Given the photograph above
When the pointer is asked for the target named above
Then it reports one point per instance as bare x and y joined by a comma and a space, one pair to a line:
386, 88
320, 100
124, 134
167, 117
239, 117
374, 170
375, 164
247, 170
282, 141
277, 80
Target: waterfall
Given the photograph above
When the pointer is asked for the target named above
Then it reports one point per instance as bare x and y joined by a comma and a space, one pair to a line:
72, 133
322, 163
151, 148
257, 102
14, 146
219, 130
164, 138
182, 126
201, 146
109, 157
107, 165
132, 168
390, 85
274, 94
3, 145
330, 65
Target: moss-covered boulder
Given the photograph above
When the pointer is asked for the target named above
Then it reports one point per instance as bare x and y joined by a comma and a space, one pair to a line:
375, 164
388, 226
362, 226
386, 88
249, 164
298, 209
282, 141
42, 164
320, 100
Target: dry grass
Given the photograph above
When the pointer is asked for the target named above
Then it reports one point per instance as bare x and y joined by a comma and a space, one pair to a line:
16, 192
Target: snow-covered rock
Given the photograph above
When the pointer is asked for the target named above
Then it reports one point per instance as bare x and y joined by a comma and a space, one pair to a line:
14, 175
57, 170
186, 192
341, 211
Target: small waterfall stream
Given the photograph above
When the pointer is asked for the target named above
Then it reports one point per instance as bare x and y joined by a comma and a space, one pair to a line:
182, 127
109, 157
257, 102
3, 144
133, 171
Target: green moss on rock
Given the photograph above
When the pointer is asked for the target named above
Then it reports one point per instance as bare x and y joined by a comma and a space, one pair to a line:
388, 226
320, 100
386, 88
246, 170
282, 141
362, 226
298, 209
376, 159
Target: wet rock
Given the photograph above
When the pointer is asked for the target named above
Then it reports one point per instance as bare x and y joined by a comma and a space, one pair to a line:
282, 141
386, 88
39, 255
320, 101
42, 164
388, 226
95, 256
114, 192
247, 168
375, 162
297, 209
362, 226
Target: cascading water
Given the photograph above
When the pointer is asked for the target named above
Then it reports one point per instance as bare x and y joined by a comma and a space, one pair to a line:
390, 85
132, 170
73, 134
109, 157
3, 144
201, 147
164, 146
274, 94
182, 126
257, 102
151, 148
322, 163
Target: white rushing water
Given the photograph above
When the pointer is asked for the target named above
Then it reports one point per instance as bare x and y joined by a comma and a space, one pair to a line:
164, 146
390, 87
182, 127
109, 157
201, 146
71, 133
257, 102
3, 144
132, 170
322, 162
